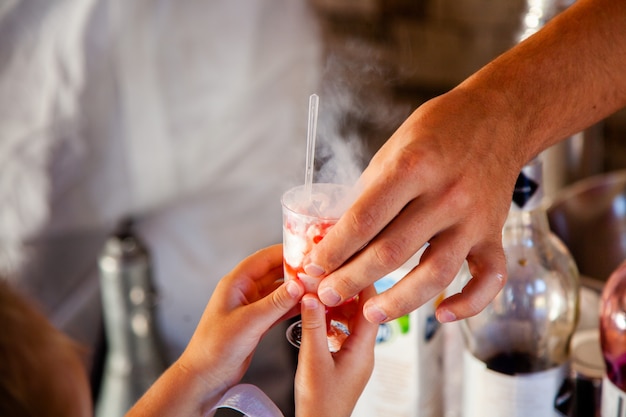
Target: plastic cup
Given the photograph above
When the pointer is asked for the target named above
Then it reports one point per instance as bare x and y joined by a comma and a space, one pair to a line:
307, 217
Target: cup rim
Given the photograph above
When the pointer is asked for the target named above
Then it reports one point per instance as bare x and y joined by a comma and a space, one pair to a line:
317, 185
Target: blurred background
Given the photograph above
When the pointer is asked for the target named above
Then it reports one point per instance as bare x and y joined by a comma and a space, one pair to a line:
407, 51
191, 119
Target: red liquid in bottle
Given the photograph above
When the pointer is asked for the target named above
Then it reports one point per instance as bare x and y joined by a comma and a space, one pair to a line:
613, 327
613, 342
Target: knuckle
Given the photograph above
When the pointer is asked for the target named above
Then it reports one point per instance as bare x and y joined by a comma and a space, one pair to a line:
475, 302
313, 324
461, 199
363, 224
280, 301
455, 197
500, 280
474, 306
396, 304
405, 162
347, 286
389, 253
445, 268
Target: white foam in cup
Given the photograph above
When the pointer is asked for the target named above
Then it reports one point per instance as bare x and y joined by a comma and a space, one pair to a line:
306, 218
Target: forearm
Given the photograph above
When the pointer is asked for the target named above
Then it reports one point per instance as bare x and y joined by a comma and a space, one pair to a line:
178, 392
563, 79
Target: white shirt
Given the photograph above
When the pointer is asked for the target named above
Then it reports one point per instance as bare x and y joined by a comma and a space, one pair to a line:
189, 115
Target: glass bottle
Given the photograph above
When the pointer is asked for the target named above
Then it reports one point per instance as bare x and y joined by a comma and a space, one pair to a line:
517, 348
134, 358
613, 342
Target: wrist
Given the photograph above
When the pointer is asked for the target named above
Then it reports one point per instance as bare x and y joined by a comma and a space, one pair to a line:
494, 143
512, 131
201, 389
178, 391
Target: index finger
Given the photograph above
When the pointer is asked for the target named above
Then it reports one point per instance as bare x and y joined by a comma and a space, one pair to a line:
378, 204
261, 266
256, 276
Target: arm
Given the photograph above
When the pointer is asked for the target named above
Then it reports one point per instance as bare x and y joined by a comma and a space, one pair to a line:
446, 175
245, 304
329, 384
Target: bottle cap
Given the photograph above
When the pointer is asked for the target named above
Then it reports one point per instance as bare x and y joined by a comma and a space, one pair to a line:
528, 191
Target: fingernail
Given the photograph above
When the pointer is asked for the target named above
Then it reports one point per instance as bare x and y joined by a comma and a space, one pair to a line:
293, 289
374, 314
445, 316
329, 296
310, 303
314, 270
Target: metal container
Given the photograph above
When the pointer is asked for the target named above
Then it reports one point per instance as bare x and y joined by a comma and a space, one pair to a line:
135, 358
590, 217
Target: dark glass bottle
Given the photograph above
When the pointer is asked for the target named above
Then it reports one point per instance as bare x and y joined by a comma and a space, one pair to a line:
517, 348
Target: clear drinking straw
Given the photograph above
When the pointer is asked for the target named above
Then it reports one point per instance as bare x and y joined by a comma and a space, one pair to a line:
310, 144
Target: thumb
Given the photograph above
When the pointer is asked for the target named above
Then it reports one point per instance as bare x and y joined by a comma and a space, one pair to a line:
314, 333
279, 302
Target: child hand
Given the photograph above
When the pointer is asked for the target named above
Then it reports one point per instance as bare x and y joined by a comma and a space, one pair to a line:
245, 304
329, 384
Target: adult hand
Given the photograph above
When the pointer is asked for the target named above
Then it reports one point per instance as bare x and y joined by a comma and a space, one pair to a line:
446, 176
438, 180
329, 384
